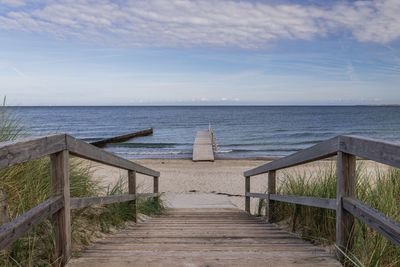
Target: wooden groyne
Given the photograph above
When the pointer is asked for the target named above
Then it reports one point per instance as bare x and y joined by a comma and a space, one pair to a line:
122, 138
203, 147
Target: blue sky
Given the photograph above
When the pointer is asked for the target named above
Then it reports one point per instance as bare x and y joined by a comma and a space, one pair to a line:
199, 52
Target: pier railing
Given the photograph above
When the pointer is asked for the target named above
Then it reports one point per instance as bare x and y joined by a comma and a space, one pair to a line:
346, 205
58, 206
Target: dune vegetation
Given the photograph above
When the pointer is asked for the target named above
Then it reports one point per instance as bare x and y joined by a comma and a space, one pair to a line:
379, 189
26, 185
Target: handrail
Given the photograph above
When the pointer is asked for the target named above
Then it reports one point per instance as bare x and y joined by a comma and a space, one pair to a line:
347, 148
59, 205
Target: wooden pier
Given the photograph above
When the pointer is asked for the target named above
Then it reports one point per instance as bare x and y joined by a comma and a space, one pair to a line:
203, 147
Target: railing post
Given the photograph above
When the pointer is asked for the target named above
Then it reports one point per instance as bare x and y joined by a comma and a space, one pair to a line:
155, 185
345, 187
61, 219
132, 191
247, 190
271, 190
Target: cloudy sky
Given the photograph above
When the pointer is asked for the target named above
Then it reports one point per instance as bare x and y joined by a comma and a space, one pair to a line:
82, 52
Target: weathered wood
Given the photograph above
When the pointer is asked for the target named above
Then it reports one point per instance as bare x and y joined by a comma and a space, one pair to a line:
82, 149
155, 184
271, 190
132, 191
324, 203
62, 219
376, 150
3, 208
203, 147
11, 231
247, 190
346, 174
84, 202
251, 243
374, 219
20, 151
320, 151
122, 138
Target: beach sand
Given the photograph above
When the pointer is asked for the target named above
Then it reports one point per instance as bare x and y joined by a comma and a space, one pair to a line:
219, 177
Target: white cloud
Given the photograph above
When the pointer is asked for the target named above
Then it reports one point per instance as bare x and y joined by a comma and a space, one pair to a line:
13, 3
184, 23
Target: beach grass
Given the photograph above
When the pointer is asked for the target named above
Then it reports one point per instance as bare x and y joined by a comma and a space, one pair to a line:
28, 184
378, 188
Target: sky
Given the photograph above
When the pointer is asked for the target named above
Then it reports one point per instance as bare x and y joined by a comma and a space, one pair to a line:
205, 52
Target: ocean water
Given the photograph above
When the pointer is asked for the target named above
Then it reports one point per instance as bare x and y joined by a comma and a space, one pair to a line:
241, 131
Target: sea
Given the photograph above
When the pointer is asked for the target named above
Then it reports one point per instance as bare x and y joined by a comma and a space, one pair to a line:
241, 131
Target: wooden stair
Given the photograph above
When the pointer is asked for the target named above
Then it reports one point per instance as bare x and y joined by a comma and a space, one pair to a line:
203, 237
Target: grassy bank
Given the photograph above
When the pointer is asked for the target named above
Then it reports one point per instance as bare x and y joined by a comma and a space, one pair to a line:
28, 184
379, 189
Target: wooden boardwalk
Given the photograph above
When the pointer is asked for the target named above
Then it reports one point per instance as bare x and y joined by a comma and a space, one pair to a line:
203, 147
203, 237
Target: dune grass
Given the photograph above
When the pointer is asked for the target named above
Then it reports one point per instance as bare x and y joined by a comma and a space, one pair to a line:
379, 189
26, 185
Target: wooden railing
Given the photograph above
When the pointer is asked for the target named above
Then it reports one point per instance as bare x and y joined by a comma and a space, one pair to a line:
59, 205
347, 207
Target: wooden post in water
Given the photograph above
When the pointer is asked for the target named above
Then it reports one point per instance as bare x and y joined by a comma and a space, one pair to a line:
132, 191
61, 219
271, 190
345, 187
247, 190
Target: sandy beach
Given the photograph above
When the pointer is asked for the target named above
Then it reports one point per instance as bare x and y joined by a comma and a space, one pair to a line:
223, 177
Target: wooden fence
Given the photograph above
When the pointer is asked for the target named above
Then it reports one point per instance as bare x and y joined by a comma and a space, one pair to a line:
59, 205
347, 207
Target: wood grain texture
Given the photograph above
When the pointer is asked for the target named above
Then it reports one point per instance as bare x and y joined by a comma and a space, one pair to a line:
178, 239
247, 190
372, 149
374, 219
132, 191
82, 149
271, 190
203, 147
62, 219
11, 231
84, 202
20, 151
323, 150
346, 175
324, 203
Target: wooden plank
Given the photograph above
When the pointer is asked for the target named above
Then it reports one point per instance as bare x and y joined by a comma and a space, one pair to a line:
325, 203
20, 151
250, 243
4, 218
84, 202
372, 149
23, 223
247, 190
155, 184
132, 191
122, 138
374, 219
203, 147
323, 150
346, 175
271, 190
62, 219
82, 149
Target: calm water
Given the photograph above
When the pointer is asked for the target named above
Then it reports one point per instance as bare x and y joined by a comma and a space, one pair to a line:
240, 131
